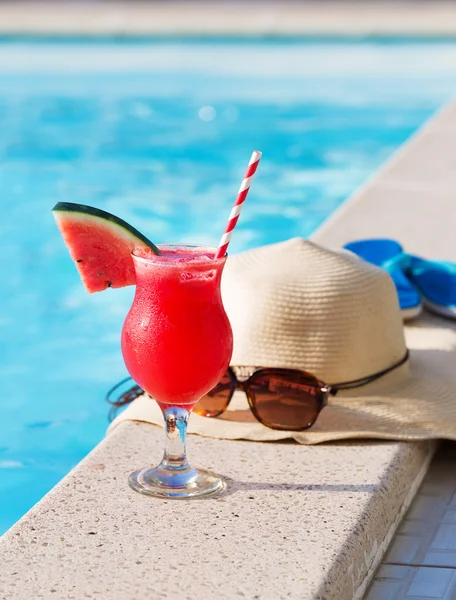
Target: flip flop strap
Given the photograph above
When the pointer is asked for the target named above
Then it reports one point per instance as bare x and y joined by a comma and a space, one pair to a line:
418, 266
400, 261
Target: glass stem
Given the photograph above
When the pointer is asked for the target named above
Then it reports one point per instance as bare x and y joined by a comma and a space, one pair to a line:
176, 420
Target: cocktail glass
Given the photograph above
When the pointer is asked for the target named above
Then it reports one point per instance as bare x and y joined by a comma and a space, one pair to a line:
177, 344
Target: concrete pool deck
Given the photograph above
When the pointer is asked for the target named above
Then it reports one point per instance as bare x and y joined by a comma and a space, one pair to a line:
253, 18
296, 522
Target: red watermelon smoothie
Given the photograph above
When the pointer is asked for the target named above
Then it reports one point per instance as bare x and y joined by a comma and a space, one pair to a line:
176, 339
177, 344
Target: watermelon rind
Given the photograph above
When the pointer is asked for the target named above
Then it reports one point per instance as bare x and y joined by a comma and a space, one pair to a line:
102, 214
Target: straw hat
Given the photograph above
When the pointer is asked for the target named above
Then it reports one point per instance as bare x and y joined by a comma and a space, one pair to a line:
297, 305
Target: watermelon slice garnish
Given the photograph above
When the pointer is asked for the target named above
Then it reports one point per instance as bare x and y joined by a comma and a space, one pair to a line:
101, 245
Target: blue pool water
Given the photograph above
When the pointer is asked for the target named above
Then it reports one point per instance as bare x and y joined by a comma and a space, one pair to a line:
159, 133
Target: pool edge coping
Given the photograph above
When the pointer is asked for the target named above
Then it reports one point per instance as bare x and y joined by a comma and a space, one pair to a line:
341, 18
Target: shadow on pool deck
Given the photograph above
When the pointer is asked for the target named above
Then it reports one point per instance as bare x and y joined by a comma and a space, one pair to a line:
234, 486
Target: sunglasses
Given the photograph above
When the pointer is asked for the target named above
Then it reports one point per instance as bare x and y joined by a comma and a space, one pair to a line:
284, 399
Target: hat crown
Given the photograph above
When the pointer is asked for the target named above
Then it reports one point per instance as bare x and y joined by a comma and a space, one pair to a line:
298, 305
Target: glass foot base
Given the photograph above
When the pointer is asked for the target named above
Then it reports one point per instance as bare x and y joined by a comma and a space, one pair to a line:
177, 483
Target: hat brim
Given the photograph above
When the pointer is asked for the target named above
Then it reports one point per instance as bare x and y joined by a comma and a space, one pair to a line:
415, 402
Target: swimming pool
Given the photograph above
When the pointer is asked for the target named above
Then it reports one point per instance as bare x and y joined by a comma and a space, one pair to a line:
159, 133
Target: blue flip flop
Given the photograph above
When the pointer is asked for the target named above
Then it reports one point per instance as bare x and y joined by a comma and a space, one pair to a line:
389, 255
436, 281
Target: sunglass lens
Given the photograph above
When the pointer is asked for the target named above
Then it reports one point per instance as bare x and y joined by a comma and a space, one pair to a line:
287, 401
215, 401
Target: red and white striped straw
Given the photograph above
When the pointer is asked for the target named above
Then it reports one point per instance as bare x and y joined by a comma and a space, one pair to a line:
236, 210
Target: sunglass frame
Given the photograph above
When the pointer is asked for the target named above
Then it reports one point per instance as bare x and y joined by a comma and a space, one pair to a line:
321, 397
